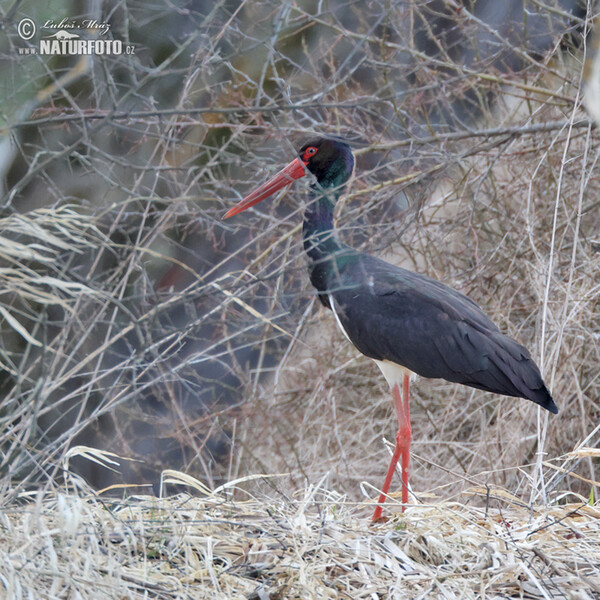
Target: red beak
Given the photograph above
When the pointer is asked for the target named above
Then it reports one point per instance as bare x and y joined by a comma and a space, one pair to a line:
287, 175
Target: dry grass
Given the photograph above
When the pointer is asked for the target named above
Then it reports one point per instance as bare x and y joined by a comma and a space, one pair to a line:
133, 319
229, 544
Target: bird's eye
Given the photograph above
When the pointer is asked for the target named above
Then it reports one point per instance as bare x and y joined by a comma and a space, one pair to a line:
310, 151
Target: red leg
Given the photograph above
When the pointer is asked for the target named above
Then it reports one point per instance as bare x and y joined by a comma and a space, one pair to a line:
405, 435
403, 438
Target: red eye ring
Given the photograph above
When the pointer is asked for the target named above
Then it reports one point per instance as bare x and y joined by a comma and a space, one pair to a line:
310, 151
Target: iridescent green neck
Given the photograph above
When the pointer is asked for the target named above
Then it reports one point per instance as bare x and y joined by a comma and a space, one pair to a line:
320, 238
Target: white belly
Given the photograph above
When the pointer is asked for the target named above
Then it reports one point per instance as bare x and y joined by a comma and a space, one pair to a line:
394, 373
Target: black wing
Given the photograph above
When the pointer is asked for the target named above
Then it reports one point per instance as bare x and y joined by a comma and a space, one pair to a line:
393, 314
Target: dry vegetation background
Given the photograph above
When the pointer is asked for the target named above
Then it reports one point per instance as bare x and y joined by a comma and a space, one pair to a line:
134, 320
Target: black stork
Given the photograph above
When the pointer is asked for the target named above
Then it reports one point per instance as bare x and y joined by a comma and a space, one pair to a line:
406, 322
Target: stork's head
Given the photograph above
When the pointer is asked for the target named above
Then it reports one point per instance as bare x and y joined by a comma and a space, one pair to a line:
330, 160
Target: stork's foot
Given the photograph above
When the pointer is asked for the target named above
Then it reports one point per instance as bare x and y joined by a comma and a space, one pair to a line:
379, 519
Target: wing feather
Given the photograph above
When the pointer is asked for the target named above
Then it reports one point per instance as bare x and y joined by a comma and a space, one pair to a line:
396, 315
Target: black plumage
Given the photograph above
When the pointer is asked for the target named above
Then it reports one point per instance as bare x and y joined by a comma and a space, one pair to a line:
393, 314
402, 320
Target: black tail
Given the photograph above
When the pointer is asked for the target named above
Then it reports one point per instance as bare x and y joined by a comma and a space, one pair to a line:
544, 399
496, 363
520, 372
